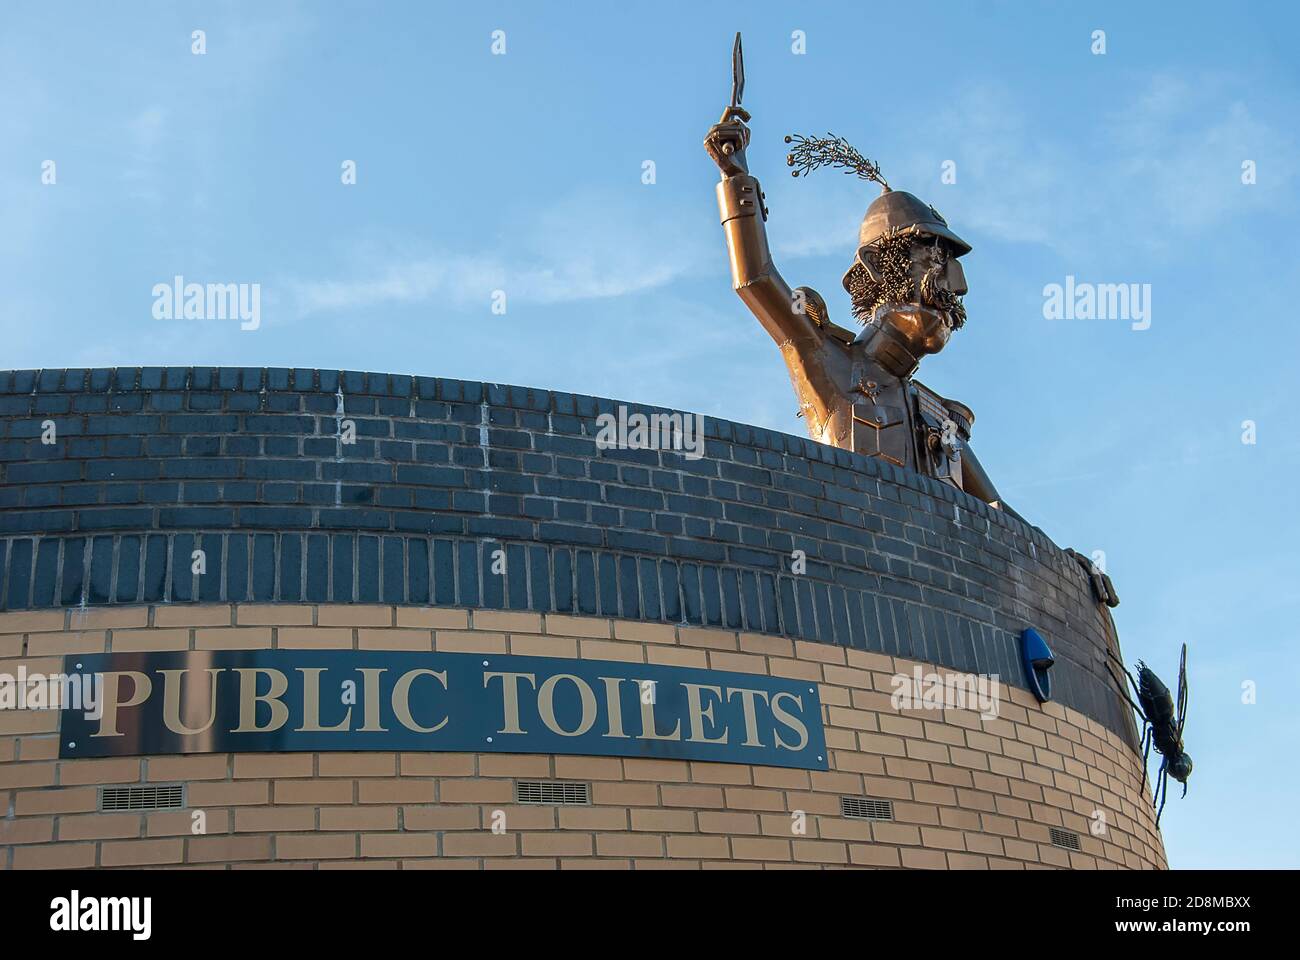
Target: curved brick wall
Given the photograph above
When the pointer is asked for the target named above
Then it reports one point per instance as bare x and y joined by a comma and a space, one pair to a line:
968, 790
247, 464
632, 556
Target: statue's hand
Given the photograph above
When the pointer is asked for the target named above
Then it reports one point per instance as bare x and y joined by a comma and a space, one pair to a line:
727, 140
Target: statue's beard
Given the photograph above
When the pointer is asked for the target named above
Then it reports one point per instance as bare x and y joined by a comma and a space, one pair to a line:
938, 297
897, 286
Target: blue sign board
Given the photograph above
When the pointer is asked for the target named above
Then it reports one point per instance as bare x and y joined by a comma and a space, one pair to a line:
240, 701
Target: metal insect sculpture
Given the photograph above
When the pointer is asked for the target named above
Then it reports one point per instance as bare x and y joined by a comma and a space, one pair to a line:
1163, 721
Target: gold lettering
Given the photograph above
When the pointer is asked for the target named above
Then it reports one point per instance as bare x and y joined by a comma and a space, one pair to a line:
371, 693
510, 696
546, 705
648, 729
747, 698
311, 704
614, 704
790, 720
249, 699
110, 696
402, 699
176, 682
700, 713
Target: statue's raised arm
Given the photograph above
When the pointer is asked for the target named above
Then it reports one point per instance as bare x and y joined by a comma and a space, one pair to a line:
744, 214
794, 319
905, 285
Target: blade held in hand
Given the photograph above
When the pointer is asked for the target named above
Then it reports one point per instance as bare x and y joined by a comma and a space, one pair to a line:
735, 112
737, 72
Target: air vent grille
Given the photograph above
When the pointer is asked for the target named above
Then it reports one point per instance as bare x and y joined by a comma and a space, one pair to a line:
556, 792
866, 808
1065, 838
168, 797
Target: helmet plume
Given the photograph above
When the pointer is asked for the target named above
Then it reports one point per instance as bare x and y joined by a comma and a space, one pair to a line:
812, 153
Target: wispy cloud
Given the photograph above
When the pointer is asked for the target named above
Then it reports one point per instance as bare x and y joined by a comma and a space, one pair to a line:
1183, 141
817, 221
586, 247
1157, 168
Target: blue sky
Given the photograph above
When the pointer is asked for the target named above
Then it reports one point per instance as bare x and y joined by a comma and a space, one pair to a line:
523, 173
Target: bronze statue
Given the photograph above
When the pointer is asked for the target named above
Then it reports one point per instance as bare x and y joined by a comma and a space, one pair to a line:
905, 283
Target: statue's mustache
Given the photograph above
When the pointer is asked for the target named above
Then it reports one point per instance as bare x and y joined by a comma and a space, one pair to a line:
935, 295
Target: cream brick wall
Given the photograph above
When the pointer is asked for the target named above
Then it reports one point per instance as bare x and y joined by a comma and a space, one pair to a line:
968, 791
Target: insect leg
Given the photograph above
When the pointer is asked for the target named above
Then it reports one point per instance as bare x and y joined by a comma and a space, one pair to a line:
1123, 692
1147, 739
1115, 656
1162, 789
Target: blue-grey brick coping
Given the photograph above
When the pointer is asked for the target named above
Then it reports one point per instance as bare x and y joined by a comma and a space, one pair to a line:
247, 465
